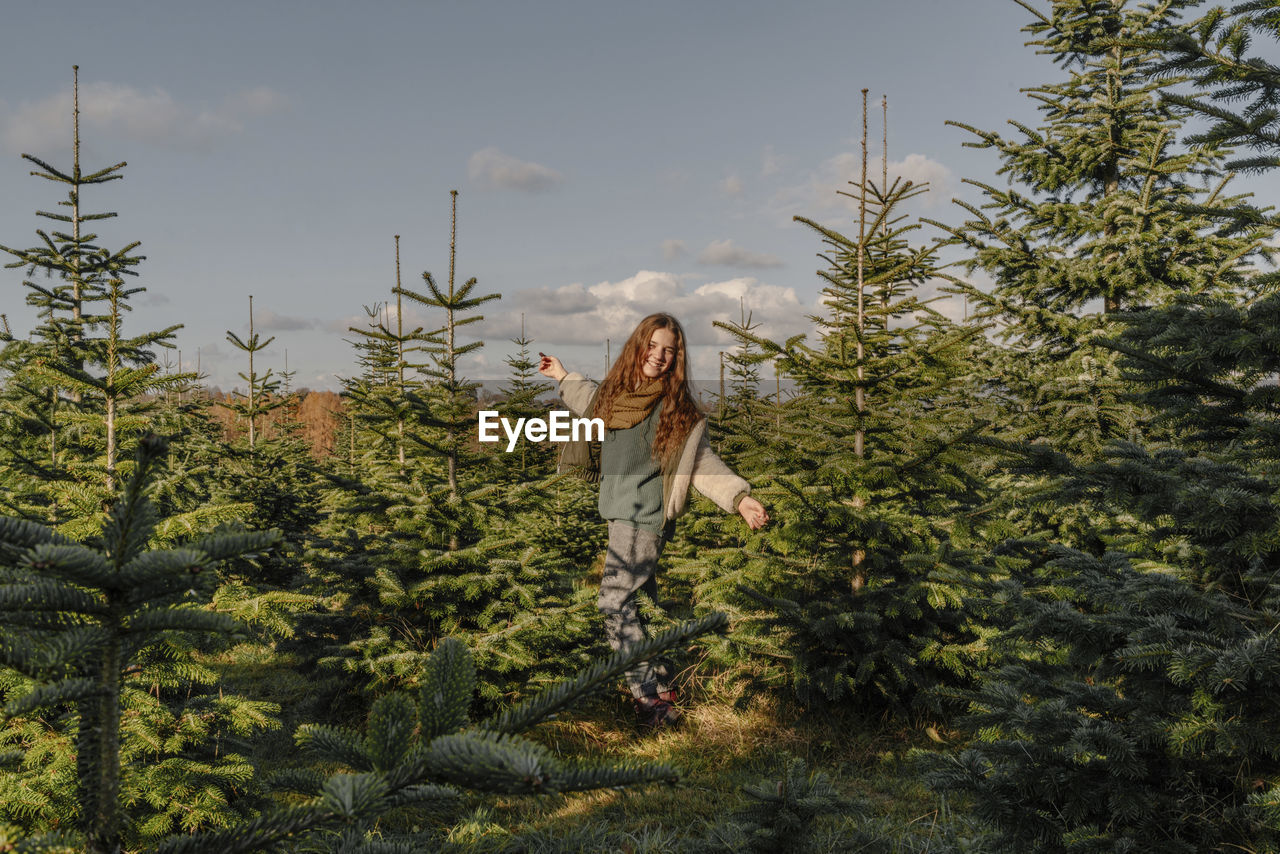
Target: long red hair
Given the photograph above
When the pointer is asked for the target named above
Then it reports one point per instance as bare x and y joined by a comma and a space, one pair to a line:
679, 409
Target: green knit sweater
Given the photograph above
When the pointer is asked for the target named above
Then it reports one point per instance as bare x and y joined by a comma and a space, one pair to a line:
631, 480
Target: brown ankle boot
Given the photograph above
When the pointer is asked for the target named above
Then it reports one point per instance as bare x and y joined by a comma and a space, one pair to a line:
659, 711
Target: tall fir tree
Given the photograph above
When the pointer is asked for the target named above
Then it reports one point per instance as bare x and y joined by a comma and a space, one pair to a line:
1132, 709
862, 579
1095, 220
453, 395
75, 393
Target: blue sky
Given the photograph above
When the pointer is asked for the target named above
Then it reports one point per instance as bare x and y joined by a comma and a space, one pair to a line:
611, 159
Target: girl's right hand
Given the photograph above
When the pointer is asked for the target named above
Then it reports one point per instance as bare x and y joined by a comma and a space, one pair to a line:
550, 367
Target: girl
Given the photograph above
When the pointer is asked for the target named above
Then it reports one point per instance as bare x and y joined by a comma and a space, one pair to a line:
655, 447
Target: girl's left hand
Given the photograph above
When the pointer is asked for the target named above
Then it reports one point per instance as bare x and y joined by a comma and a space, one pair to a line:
753, 512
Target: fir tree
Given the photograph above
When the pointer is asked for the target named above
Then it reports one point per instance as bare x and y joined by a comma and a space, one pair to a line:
261, 390
81, 618
1132, 711
74, 392
374, 402
380, 396
863, 580
453, 394
781, 816
520, 394
742, 413
1216, 54
1096, 220
456, 556
270, 476
420, 747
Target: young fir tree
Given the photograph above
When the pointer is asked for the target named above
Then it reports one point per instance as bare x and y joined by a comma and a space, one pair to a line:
371, 401
454, 559
1095, 220
1215, 53
272, 477
73, 393
129, 372
379, 397
782, 816
92, 627
29, 419
520, 396
261, 393
1134, 709
451, 393
743, 409
82, 620
863, 574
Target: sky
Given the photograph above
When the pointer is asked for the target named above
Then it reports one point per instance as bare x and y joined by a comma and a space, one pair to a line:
611, 159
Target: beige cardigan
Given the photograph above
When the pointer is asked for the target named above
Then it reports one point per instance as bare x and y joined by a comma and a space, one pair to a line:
698, 465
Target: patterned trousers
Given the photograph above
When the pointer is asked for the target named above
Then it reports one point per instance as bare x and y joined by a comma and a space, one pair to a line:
631, 565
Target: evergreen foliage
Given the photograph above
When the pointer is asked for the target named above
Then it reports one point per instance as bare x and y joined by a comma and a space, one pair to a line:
1219, 54
418, 748
520, 400
380, 394
1106, 212
781, 815
743, 412
88, 625
1071, 528
1132, 711
261, 394
452, 531
864, 575
72, 397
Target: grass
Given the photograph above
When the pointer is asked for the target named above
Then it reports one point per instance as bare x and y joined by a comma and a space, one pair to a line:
720, 750
723, 746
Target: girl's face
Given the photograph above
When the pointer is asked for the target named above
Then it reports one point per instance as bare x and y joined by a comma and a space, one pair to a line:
660, 354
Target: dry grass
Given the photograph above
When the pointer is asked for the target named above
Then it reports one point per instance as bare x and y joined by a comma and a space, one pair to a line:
720, 749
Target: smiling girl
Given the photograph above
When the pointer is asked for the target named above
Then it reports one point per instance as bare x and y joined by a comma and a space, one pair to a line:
655, 447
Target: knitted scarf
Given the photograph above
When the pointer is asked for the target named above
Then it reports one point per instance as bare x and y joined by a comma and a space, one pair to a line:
632, 407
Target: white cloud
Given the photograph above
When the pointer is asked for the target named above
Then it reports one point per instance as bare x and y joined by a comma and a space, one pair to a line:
492, 169
266, 320
821, 192
673, 249
584, 316
724, 253
731, 186
154, 117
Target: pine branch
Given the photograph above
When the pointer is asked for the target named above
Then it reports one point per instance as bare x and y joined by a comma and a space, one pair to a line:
547, 703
